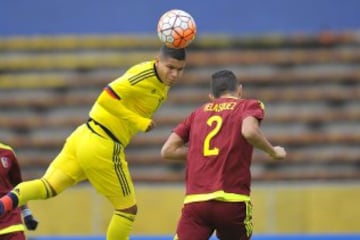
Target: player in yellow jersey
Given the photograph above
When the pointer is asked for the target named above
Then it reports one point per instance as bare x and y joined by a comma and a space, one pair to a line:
95, 150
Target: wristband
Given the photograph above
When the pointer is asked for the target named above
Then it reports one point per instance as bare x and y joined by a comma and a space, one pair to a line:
26, 212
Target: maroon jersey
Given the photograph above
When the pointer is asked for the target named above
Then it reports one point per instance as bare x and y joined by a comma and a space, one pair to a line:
10, 176
219, 157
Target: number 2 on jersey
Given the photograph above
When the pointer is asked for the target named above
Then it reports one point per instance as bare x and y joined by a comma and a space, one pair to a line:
207, 151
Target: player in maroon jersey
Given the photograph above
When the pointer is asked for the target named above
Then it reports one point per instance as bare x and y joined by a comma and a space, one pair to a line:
11, 224
217, 142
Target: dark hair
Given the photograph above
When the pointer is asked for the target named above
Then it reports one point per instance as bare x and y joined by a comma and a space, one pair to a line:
223, 81
177, 53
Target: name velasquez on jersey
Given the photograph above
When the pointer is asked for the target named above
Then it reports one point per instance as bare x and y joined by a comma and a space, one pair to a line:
218, 107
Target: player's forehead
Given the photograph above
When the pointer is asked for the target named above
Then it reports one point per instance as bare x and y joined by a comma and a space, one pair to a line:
174, 63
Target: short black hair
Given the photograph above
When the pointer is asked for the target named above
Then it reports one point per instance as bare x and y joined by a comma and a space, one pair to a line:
177, 53
223, 81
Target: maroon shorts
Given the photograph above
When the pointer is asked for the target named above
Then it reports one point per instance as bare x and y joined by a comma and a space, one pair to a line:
230, 220
13, 236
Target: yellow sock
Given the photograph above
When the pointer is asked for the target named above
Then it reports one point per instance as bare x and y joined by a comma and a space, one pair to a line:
32, 190
120, 226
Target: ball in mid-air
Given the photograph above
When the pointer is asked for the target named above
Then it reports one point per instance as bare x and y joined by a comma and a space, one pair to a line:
176, 28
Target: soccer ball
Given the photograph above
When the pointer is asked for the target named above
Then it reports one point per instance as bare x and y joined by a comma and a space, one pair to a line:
176, 28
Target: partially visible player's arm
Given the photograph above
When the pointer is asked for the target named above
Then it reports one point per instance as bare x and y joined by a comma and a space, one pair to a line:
174, 148
113, 105
253, 134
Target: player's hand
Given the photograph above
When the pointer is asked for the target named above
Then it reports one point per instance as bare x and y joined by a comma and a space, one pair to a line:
279, 153
30, 222
151, 126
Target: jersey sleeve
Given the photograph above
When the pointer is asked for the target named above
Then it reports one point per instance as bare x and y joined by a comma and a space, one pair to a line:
183, 128
120, 88
116, 107
254, 108
126, 96
124, 87
15, 172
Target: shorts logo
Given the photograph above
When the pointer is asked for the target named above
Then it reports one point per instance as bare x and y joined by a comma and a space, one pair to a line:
5, 162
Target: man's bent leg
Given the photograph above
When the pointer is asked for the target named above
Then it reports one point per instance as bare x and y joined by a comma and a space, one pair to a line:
49, 186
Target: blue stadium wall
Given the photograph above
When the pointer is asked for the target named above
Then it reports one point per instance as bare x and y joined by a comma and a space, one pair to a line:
42, 17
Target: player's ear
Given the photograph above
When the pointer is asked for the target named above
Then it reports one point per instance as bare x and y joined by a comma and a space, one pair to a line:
211, 97
239, 90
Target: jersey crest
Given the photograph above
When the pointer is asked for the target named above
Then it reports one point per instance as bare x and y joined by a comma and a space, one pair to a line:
5, 162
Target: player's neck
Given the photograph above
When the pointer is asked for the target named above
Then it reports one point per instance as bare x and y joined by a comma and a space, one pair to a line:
229, 96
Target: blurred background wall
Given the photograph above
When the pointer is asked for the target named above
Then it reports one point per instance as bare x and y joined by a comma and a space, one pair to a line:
278, 209
23, 17
301, 58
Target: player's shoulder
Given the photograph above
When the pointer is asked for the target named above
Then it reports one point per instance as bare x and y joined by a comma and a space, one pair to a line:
141, 67
140, 71
252, 102
6, 147
136, 73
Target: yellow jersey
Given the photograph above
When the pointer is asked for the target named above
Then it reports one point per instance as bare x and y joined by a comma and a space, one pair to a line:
128, 103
